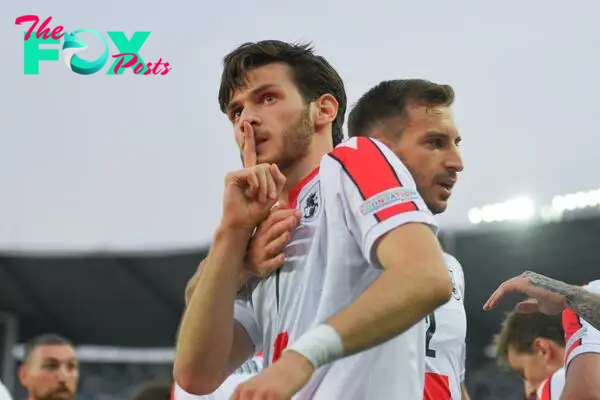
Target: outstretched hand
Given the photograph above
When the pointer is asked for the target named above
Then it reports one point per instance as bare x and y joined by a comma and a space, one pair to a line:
547, 295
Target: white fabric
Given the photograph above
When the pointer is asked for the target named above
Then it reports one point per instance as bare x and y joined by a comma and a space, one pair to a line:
329, 263
4, 394
445, 340
552, 387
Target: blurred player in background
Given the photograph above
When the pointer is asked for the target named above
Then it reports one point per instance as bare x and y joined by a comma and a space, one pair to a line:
533, 347
361, 271
50, 370
153, 390
421, 131
580, 318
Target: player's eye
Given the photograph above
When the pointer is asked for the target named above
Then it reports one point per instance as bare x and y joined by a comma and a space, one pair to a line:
268, 98
436, 143
235, 114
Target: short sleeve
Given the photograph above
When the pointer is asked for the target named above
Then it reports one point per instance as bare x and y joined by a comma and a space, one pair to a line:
378, 192
580, 336
243, 312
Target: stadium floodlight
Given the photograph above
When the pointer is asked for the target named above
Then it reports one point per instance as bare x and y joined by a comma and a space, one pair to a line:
520, 208
578, 200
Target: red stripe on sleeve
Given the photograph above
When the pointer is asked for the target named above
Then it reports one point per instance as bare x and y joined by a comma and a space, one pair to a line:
571, 324
372, 174
437, 387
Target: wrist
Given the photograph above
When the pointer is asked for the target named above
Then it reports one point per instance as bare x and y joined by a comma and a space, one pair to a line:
230, 234
320, 346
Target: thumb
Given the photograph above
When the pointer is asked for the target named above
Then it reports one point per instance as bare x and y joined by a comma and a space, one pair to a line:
527, 306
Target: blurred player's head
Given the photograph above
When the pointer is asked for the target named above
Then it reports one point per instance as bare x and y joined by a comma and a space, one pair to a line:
154, 390
413, 118
532, 346
294, 100
50, 370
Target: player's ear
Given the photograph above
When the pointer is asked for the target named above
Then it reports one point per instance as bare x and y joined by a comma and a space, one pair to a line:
541, 346
326, 109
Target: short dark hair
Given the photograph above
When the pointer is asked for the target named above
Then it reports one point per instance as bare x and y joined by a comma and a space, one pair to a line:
389, 99
519, 331
312, 74
154, 390
46, 339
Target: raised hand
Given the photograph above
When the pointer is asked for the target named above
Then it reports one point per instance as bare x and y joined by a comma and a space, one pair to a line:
250, 193
266, 249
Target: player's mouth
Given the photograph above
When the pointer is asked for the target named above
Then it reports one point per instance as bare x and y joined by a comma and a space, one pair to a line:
261, 144
446, 185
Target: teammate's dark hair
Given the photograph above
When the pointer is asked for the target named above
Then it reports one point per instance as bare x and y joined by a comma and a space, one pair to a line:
312, 74
519, 331
389, 99
47, 339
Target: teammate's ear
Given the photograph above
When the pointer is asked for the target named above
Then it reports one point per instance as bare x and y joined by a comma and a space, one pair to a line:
541, 346
326, 108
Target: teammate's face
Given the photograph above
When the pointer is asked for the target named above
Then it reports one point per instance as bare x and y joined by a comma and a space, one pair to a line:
51, 373
281, 121
428, 146
533, 368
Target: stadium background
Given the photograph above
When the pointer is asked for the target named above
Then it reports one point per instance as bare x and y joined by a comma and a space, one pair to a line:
104, 180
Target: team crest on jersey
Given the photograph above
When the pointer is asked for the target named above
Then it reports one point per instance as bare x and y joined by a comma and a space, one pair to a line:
455, 292
310, 204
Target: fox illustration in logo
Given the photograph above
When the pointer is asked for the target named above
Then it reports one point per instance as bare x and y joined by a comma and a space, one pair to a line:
73, 44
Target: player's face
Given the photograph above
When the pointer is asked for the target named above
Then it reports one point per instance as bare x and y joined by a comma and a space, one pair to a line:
272, 104
428, 146
51, 373
533, 368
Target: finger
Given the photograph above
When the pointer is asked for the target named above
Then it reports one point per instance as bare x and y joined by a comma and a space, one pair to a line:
271, 187
253, 184
274, 263
279, 229
527, 306
249, 149
509, 286
279, 178
263, 186
278, 244
494, 298
275, 218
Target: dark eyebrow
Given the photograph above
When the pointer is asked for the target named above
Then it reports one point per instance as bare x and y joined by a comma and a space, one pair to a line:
233, 104
439, 134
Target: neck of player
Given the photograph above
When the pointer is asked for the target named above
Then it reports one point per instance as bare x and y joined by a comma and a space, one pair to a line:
300, 170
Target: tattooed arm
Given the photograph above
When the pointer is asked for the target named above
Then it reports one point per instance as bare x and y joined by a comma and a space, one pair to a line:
584, 303
549, 296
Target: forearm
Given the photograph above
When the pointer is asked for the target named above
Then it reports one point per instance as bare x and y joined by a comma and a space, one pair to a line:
584, 303
397, 300
243, 279
206, 332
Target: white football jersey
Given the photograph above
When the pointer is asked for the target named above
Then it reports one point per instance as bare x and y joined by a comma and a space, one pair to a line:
445, 341
360, 191
552, 387
249, 369
4, 395
581, 337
